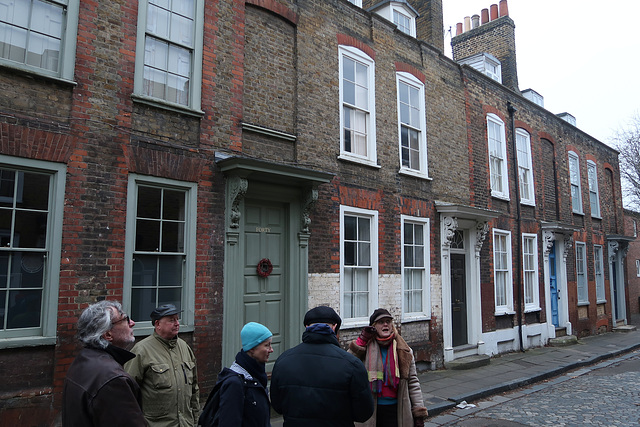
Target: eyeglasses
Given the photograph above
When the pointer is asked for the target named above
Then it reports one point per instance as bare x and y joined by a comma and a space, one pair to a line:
121, 320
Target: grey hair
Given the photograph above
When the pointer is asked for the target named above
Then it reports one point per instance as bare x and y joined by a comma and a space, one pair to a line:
95, 321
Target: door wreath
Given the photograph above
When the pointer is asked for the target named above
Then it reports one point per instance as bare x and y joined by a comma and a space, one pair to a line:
264, 267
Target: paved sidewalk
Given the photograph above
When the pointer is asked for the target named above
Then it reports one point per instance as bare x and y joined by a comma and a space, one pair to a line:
444, 389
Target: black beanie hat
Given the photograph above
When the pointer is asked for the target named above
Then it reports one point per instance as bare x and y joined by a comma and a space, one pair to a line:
380, 313
322, 314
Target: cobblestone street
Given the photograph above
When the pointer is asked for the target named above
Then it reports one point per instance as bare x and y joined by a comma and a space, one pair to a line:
606, 394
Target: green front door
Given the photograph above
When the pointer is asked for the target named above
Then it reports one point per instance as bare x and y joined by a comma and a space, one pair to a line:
265, 237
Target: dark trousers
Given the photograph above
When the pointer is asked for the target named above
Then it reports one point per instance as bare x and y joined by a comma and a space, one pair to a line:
387, 416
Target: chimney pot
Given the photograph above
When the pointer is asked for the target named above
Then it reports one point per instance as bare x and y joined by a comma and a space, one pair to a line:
494, 11
467, 23
504, 8
475, 21
458, 28
484, 16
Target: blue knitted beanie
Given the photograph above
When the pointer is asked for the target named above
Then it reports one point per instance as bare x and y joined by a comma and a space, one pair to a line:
253, 334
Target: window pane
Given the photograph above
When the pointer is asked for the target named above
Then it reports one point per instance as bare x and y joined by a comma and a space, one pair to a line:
170, 296
37, 196
147, 235
24, 309
173, 205
172, 236
364, 254
27, 270
47, 19
350, 231
149, 202
182, 30
158, 21
30, 229
170, 271
143, 302
408, 256
144, 271
364, 231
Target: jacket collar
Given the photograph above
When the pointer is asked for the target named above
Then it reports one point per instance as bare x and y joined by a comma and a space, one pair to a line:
169, 343
120, 355
316, 338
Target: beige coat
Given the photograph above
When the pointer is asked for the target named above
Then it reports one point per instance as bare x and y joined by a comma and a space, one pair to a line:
410, 402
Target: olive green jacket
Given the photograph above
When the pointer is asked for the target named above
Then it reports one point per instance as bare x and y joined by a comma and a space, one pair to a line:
166, 373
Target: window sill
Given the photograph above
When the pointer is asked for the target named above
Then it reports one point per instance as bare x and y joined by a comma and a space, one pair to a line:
601, 301
27, 342
358, 160
17, 68
532, 309
578, 213
528, 203
354, 323
596, 217
504, 313
583, 304
416, 318
500, 196
158, 103
415, 174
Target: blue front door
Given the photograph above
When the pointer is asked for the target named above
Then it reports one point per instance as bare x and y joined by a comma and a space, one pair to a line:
553, 283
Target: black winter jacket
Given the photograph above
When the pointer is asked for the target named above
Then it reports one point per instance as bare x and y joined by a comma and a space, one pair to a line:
98, 392
317, 383
243, 402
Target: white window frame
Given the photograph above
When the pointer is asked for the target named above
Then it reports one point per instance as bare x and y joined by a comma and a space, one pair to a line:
635, 228
598, 268
67, 55
592, 175
359, 56
492, 68
195, 80
356, 2
499, 180
187, 318
506, 306
638, 268
574, 182
582, 280
425, 313
372, 300
45, 334
398, 8
403, 78
530, 272
525, 168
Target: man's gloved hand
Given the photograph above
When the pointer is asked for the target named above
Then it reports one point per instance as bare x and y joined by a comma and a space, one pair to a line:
418, 422
367, 333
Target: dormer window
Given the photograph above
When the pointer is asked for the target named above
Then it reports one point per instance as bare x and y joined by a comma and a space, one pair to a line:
356, 2
485, 63
402, 21
400, 13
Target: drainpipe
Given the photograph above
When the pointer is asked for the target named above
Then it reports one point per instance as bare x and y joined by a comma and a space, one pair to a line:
512, 110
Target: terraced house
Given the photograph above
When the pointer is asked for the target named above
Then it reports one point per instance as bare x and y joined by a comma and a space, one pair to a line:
247, 160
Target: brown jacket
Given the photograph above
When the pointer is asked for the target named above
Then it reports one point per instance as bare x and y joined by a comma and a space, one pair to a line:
410, 402
98, 392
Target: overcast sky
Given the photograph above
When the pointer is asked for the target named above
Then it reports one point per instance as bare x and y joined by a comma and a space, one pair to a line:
582, 56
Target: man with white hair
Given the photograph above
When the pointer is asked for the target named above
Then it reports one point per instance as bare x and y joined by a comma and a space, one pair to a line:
97, 390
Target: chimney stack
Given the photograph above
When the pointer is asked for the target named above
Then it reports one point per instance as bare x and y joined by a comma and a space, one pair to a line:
429, 25
496, 36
